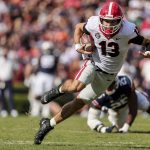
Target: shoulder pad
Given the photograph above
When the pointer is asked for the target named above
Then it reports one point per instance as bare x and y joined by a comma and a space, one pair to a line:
129, 29
92, 23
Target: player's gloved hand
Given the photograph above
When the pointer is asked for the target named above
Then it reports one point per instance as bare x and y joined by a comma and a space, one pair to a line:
124, 129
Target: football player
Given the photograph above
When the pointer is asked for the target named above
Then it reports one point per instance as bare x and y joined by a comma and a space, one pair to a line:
122, 101
40, 72
112, 36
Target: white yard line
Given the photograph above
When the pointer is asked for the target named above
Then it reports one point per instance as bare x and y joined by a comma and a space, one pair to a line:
100, 144
66, 143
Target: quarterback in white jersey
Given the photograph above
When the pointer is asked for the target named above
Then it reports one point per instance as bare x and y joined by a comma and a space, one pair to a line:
110, 51
111, 36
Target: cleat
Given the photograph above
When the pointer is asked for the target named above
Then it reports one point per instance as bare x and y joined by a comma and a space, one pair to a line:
45, 127
50, 96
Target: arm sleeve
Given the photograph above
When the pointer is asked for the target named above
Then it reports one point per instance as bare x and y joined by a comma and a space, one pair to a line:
140, 40
137, 40
91, 24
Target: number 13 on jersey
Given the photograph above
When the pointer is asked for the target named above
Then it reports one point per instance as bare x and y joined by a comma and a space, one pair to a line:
112, 46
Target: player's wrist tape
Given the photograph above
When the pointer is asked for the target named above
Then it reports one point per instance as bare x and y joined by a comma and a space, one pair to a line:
77, 46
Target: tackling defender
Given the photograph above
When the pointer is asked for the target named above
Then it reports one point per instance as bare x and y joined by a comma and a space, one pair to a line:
122, 101
112, 36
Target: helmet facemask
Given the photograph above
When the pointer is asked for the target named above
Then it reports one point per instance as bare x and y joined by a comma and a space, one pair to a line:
110, 26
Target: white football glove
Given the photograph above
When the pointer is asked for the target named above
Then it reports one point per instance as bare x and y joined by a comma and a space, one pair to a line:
125, 128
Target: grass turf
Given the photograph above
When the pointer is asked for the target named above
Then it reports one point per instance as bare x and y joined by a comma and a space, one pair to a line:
72, 134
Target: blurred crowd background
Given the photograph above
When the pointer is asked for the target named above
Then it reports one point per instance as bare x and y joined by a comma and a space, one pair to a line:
30, 29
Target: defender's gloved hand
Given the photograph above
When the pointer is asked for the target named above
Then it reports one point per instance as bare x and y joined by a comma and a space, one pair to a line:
125, 128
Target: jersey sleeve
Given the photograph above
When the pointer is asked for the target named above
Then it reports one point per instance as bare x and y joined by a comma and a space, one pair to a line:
133, 31
103, 100
91, 23
129, 29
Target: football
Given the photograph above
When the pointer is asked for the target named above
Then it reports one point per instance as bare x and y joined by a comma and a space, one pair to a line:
88, 41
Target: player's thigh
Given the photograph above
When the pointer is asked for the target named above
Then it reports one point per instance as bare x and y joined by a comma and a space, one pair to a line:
101, 82
86, 73
97, 86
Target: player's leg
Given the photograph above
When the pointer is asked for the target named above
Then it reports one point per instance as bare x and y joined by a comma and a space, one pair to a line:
87, 94
67, 110
83, 77
90, 92
69, 86
46, 124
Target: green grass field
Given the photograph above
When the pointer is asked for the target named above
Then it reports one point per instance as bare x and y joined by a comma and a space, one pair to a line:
72, 134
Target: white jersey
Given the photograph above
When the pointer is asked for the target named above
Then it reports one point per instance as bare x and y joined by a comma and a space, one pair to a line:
110, 53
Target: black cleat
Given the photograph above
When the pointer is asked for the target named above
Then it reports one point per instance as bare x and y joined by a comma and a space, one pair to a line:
50, 96
45, 127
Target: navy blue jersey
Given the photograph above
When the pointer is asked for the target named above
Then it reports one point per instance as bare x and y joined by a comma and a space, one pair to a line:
47, 64
119, 98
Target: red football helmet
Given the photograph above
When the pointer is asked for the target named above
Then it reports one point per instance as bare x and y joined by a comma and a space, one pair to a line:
110, 18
